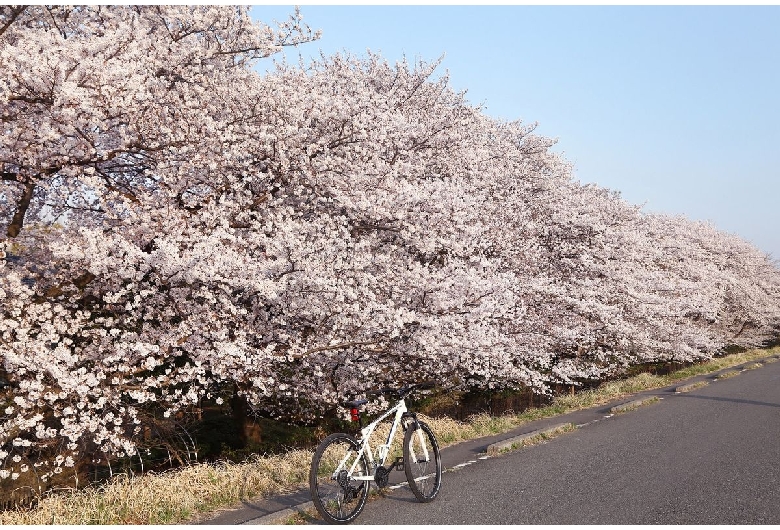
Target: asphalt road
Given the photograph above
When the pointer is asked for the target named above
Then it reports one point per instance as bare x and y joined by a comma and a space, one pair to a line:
710, 456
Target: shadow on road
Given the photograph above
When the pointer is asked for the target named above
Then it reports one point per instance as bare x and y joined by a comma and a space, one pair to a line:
732, 400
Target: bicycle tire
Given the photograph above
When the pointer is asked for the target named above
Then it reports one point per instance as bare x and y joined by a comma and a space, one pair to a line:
423, 474
337, 497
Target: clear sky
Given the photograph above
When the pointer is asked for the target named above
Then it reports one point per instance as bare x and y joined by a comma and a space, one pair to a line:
678, 108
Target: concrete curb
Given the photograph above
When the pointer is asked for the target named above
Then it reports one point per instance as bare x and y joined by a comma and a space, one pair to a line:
727, 374
691, 386
631, 405
498, 447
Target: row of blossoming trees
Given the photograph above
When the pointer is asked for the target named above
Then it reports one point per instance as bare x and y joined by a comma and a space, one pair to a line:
178, 228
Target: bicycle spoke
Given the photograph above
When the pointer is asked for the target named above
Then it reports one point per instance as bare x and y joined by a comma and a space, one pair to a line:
337, 496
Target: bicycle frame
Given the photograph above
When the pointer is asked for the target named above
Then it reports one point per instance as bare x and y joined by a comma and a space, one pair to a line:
340, 494
400, 410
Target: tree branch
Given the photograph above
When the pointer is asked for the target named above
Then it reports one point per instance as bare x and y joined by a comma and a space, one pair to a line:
15, 12
335, 347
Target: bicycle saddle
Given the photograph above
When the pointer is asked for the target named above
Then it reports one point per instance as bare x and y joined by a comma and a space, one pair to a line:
355, 404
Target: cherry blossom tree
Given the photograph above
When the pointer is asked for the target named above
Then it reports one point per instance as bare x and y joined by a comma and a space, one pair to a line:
110, 116
180, 229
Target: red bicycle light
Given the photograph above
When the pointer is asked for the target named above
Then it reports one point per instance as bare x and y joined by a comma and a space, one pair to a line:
355, 414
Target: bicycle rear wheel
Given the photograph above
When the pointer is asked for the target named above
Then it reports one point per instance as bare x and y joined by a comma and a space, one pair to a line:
422, 462
338, 497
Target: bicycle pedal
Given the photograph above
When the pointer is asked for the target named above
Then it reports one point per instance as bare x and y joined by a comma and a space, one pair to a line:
398, 464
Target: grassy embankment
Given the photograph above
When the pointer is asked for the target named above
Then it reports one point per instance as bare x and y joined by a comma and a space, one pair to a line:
185, 494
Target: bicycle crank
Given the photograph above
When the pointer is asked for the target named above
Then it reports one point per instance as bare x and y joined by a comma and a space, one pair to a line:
382, 476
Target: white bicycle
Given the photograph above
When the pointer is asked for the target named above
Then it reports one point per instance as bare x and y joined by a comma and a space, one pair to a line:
344, 467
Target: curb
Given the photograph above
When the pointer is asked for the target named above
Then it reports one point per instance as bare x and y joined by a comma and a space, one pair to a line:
691, 386
498, 447
631, 405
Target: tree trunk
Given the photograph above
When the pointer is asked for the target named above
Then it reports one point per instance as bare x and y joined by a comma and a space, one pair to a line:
21, 209
249, 431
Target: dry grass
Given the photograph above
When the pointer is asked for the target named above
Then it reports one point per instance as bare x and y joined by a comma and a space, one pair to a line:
184, 495
169, 497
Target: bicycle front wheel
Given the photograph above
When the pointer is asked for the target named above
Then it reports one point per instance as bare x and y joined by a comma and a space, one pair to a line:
338, 496
422, 462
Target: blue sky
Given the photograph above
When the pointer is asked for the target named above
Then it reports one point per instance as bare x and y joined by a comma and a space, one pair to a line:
678, 108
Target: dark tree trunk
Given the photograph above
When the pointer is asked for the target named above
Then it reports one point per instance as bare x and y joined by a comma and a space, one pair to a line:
249, 431
21, 209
